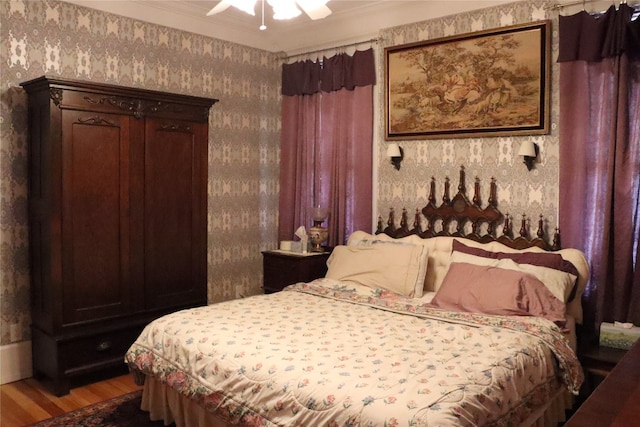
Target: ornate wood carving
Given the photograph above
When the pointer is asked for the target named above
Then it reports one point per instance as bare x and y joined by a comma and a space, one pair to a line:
96, 120
55, 94
175, 127
454, 216
138, 107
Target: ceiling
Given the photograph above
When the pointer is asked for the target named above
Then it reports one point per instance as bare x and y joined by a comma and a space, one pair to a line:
351, 20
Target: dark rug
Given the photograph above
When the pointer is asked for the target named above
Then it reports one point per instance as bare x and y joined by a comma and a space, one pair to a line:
121, 411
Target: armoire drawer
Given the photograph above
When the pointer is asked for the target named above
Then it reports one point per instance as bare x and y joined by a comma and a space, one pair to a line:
92, 352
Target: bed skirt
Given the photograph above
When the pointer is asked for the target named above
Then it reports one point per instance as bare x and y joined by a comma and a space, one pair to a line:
164, 403
553, 413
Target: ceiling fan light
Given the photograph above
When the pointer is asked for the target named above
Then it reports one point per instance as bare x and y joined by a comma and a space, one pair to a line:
316, 9
312, 4
285, 14
284, 9
247, 6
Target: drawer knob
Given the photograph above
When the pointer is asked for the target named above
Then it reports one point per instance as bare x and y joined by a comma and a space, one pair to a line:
104, 346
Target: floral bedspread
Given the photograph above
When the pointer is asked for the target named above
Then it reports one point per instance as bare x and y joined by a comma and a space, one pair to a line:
330, 354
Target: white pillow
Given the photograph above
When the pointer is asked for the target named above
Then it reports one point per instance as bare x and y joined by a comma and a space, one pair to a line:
395, 267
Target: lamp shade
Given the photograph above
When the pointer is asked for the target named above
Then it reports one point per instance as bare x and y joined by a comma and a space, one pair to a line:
393, 150
319, 214
528, 149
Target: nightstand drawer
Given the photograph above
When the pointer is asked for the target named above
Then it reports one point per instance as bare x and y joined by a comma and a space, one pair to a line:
281, 269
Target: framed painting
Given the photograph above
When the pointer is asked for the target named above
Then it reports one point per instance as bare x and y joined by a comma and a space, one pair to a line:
487, 83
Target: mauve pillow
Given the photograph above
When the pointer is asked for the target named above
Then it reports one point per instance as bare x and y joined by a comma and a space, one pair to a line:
489, 290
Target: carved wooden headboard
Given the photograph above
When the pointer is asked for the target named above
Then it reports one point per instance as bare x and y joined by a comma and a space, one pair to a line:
460, 213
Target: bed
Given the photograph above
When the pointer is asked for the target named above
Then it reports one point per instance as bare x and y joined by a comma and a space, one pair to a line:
438, 324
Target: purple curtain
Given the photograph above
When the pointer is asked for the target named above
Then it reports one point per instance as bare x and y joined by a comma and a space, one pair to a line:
326, 144
600, 157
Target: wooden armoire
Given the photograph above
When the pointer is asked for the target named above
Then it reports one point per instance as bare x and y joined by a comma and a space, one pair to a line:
117, 219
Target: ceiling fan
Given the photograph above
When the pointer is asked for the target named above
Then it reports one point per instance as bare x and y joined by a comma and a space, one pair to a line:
282, 9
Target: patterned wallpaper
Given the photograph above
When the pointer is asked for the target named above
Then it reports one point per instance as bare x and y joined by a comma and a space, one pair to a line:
61, 39
519, 191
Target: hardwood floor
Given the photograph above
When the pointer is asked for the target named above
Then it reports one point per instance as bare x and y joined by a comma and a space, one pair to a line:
28, 401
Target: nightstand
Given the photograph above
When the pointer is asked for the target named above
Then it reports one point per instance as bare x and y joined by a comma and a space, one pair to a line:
598, 362
283, 268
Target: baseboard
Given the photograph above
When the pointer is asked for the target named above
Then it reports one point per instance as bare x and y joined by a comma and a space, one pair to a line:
15, 362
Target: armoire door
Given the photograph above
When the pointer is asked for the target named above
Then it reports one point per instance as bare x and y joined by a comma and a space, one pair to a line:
95, 215
175, 213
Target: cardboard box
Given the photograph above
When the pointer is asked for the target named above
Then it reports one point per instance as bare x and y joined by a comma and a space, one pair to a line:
617, 336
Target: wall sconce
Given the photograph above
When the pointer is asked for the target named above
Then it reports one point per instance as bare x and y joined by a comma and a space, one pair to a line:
396, 154
529, 151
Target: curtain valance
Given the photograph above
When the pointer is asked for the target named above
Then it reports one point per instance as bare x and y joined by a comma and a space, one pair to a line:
330, 74
585, 37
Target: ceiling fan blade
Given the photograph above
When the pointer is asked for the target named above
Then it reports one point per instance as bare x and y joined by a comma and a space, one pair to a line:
220, 7
314, 8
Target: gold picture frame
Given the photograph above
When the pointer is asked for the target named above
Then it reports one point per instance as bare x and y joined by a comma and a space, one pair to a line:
486, 83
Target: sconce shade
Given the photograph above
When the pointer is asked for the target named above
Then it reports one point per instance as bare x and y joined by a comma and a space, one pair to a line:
393, 150
395, 153
527, 148
529, 152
